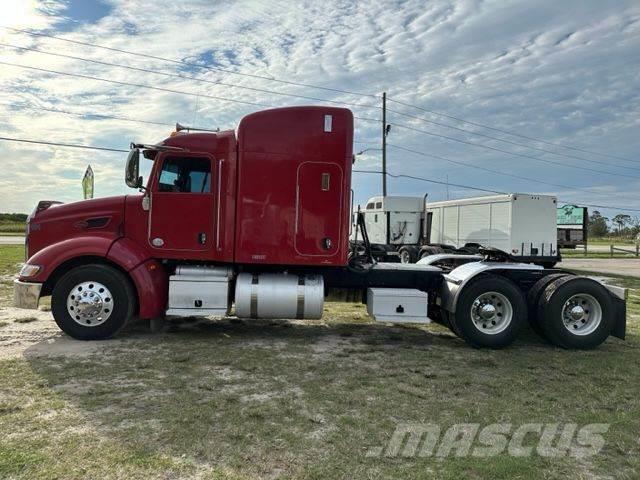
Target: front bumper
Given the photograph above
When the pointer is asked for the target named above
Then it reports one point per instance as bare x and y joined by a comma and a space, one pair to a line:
26, 295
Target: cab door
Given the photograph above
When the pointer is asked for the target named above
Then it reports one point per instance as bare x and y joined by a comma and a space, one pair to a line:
182, 212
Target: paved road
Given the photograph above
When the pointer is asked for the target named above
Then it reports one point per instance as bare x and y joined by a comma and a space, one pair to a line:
617, 266
11, 240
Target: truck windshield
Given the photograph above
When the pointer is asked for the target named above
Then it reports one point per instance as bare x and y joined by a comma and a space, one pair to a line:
185, 174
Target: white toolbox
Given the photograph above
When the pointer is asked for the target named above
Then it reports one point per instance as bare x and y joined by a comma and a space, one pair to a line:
399, 305
199, 291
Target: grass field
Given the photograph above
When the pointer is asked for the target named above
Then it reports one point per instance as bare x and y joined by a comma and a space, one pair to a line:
581, 254
235, 399
12, 228
610, 240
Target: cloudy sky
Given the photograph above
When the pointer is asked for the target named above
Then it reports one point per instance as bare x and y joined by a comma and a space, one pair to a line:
477, 72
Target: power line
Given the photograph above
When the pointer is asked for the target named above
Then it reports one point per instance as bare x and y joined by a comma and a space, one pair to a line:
488, 147
430, 181
119, 150
496, 172
85, 115
126, 119
444, 125
185, 63
366, 119
458, 119
162, 89
139, 85
321, 100
480, 189
183, 77
66, 145
195, 65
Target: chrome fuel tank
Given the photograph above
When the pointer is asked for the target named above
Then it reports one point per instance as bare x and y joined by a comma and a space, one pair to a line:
279, 295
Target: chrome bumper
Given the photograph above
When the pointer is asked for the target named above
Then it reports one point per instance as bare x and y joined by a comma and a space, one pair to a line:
26, 295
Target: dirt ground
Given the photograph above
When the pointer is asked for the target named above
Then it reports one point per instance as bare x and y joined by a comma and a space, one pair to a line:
35, 333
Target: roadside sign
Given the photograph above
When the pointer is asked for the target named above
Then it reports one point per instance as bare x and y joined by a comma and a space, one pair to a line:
87, 183
571, 215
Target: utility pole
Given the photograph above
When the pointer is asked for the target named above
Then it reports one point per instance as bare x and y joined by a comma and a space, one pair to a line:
384, 144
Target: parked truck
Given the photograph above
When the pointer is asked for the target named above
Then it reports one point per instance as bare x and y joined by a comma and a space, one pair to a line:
256, 222
573, 226
521, 225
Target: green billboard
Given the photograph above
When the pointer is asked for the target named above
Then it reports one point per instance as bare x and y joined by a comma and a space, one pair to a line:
571, 215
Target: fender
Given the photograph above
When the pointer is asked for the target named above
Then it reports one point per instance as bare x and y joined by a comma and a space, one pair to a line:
52, 256
152, 284
461, 276
439, 257
127, 253
148, 276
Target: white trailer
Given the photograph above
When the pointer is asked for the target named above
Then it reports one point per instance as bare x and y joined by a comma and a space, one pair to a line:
521, 225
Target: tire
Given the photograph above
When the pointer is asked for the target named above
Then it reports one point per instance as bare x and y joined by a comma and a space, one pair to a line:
407, 255
589, 327
426, 251
500, 296
533, 297
450, 322
102, 296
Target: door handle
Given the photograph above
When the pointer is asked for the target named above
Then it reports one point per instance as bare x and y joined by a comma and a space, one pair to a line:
202, 238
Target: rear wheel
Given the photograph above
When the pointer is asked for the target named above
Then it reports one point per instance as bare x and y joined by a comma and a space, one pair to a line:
92, 302
576, 312
490, 312
407, 255
533, 297
426, 251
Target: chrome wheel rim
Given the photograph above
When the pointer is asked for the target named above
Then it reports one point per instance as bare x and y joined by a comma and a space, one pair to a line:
90, 304
404, 257
491, 313
581, 314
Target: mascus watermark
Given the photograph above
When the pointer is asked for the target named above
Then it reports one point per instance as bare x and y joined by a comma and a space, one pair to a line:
472, 439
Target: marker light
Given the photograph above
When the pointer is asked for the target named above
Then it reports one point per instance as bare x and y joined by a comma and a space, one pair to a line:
29, 270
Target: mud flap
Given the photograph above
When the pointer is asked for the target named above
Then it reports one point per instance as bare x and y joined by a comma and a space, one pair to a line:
620, 328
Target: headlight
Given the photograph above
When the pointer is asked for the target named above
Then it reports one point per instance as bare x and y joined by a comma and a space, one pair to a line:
29, 270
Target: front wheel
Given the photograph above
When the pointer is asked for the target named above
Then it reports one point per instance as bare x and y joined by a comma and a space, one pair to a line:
92, 302
490, 312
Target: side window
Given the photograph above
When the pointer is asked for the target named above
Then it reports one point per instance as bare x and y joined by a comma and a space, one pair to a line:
370, 206
379, 205
185, 174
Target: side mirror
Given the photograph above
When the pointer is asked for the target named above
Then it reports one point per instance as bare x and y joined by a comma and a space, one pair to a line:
132, 170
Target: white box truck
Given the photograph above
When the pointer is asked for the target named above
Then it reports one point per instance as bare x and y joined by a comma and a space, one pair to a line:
521, 225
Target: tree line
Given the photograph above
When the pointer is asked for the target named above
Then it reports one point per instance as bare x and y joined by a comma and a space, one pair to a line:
621, 225
13, 217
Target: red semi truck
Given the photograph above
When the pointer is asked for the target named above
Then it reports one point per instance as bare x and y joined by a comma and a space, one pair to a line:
258, 222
